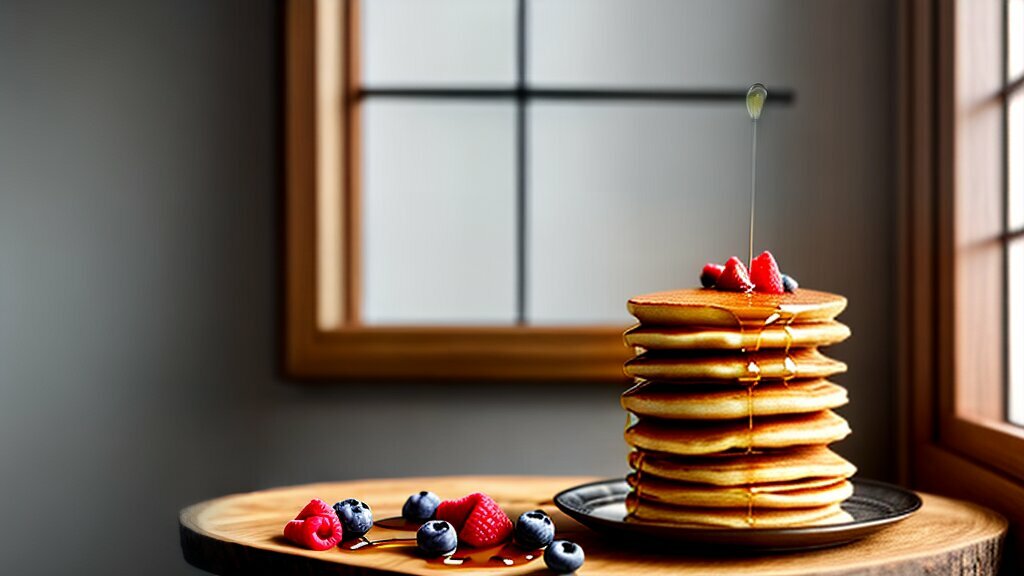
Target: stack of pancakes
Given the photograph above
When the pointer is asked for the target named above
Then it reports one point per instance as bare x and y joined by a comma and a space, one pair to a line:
731, 414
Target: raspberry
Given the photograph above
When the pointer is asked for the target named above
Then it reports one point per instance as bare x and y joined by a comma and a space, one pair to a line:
764, 273
316, 527
316, 507
456, 511
478, 519
734, 278
710, 274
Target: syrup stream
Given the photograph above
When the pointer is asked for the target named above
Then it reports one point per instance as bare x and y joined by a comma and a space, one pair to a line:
753, 193
756, 95
756, 329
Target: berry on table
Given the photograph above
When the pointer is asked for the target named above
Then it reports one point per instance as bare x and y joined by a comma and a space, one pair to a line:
437, 538
534, 530
765, 275
479, 520
315, 527
734, 277
710, 274
356, 517
420, 506
563, 557
789, 284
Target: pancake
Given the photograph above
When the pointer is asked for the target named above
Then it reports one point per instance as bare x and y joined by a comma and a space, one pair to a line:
735, 338
768, 364
740, 469
705, 307
717, 401
694, 438
807, 493
648, 511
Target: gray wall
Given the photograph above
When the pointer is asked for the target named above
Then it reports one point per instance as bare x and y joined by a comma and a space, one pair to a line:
139, 296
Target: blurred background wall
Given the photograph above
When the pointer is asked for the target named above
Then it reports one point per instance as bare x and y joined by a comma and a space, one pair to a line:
140, 170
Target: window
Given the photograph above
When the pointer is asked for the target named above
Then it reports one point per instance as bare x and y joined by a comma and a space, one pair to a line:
484, 107
964, 227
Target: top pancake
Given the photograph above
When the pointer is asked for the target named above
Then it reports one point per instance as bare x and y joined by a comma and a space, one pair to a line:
707, 307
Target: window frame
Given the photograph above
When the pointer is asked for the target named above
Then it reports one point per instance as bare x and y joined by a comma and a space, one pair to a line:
323, 253
956, 441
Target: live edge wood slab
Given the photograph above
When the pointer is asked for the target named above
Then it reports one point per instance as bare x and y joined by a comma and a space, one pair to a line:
241, 534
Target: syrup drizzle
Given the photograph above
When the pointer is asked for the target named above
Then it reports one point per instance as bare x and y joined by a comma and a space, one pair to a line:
503, 555
752, 337
497, 556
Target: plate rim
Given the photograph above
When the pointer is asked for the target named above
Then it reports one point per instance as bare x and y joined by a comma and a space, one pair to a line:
856, 525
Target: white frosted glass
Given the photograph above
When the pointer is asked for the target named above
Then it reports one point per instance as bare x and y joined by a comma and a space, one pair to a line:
439, 42
1015, 161
626, 199
439, 213
1014, 39
1015, 325
687, 43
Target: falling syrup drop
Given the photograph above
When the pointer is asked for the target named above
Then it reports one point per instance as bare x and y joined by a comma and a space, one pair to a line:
756, 96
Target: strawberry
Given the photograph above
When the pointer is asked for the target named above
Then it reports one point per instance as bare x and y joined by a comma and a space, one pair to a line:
316, 527
710, 274
764, 273
734, 277
478, 519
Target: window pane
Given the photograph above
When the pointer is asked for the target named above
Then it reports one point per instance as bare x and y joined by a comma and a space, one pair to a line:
1015, 329
439, 42
1015, 161
699, 43
1015, 39
627, 199
439, 213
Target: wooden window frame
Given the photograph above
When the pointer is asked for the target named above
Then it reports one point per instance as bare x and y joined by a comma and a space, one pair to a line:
952, 362
324, 337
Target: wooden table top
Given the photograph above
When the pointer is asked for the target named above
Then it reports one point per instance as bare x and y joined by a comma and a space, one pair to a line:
241, 534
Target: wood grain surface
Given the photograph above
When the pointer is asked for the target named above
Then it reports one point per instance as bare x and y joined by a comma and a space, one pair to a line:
241, 534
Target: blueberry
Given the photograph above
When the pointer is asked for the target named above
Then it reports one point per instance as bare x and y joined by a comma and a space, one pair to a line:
789, 284
420, 506
707, 280
355, 516
563, 557
437, 538
534, 530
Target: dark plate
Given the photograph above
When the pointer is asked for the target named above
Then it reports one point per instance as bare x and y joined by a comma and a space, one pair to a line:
874, 505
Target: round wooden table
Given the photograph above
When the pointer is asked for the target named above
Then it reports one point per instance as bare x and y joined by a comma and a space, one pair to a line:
241, 534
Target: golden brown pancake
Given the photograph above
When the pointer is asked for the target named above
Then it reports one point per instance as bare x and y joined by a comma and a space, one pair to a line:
705, 307
645, 510
717, 401
808, 493
694, 438
739, 469
768, 364
735, 338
